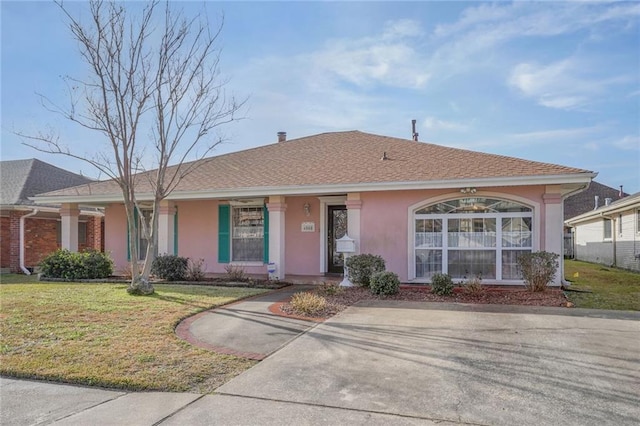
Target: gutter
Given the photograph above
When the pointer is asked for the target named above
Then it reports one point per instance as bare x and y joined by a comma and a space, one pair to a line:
22, 218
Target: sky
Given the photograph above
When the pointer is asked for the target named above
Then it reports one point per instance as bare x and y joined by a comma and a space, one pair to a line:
556, 82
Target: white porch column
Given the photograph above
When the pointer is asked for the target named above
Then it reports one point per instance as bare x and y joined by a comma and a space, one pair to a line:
69, 217
277, 208
354, 204
553, 228
166, 227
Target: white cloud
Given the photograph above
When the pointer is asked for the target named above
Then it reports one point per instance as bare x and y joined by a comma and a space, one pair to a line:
557, 135
434, 123
560, 85
388, 59
631, 142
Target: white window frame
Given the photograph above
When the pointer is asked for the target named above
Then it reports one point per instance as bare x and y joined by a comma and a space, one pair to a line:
245, 204
606, 221
535, 225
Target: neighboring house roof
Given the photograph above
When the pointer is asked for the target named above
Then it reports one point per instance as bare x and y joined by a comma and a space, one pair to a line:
584, 201
618, 206
340, 160
22, 179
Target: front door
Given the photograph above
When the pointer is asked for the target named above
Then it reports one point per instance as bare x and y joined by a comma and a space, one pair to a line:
337, 227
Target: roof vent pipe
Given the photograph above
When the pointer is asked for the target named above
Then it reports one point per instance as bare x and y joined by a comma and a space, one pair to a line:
607, 201
282, 136
597, 201
414, 134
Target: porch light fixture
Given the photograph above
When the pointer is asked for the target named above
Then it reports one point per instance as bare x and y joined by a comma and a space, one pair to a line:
307, 209
468, 190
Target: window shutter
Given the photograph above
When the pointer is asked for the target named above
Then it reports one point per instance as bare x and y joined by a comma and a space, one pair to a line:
265, 222
224, 240
135, 219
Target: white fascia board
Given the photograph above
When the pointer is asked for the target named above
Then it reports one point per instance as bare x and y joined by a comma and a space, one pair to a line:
264, 191
622, 206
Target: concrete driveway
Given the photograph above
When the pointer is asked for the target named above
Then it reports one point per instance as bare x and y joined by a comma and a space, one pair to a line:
463, 363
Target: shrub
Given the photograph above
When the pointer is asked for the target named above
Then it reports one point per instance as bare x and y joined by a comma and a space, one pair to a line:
330, 289
441, 284
307, 303
362, 266
473, 286
195, 270
538, 269
235, 273
385, 283
68, 265
170, 267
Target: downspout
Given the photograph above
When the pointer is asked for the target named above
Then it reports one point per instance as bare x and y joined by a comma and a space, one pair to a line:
22, 218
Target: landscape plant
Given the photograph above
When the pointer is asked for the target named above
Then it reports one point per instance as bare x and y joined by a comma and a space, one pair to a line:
170, 267
195, 270
235, 273
361, 268
473, 286
88, 264
385, 283
441, 284
538, 269
308, 303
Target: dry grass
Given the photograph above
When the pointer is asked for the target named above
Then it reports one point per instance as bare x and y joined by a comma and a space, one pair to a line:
97, 334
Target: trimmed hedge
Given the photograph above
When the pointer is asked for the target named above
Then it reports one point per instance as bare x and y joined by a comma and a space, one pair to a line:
362, 267
170, 267
88, 264
385, 283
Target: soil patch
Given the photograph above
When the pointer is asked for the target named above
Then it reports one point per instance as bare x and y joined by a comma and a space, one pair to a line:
490, 295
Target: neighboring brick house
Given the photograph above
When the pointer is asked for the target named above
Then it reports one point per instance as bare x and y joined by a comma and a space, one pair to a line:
28, 232
610, 234
591, 198
280, 208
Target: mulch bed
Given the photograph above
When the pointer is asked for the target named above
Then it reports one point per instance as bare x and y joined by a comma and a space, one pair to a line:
489, 295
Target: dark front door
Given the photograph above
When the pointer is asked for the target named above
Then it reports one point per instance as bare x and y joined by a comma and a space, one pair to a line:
337, 227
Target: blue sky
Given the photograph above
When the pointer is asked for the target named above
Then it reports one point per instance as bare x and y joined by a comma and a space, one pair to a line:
556, 82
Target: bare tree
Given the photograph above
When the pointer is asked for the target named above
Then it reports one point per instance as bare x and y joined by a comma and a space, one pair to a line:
154, 82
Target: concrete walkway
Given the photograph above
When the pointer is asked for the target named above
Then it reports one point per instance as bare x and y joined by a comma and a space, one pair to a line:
383, 362
246, 328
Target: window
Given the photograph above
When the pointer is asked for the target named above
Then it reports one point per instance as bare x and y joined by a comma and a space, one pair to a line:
473, 236
247, 241
608, 229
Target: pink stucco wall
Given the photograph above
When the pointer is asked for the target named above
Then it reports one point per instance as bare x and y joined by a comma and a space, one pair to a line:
384, 220
115, 235
302, 255
384, 229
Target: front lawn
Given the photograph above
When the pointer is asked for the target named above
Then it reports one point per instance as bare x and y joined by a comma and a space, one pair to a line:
97, 334
604, 287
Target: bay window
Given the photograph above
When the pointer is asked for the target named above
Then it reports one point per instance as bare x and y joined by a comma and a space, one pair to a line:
473, 236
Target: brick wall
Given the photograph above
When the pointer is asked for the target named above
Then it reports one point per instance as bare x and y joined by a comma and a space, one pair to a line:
5, 242
41, 238
14, 243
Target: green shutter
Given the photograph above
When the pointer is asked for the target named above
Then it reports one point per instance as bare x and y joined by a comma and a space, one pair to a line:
135, 219
265, 222
224, 240
175, 233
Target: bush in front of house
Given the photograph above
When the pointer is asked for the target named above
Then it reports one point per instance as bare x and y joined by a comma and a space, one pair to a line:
441, 284
473, 286
362, 267
385, 283
538, 269
89, 264
170, 267
307, 303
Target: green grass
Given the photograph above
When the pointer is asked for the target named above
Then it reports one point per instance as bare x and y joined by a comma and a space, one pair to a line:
97, 334
608, 288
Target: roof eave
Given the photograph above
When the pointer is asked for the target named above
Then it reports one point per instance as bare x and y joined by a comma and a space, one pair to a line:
263, 191
619, 207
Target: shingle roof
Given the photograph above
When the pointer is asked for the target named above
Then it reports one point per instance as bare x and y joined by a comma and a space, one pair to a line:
584, 201
338, 158
21, 179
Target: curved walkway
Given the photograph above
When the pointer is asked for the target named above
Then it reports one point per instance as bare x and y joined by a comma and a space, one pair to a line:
246, 328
